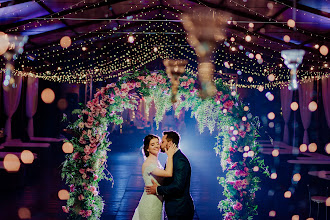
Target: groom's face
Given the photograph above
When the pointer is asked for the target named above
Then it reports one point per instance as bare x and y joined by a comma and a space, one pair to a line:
164, 144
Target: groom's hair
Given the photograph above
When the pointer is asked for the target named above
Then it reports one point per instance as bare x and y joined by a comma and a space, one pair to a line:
172, 136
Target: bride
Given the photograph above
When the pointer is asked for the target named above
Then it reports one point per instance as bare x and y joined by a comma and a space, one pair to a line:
151, 206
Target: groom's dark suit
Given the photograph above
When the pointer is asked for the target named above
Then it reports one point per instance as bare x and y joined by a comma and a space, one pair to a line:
178, 202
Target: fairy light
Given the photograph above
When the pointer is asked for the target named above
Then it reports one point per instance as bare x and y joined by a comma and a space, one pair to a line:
291, 23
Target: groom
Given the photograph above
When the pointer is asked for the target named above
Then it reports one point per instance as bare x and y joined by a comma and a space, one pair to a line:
178, 202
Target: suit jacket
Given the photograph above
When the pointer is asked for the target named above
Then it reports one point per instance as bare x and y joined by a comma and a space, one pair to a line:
175, 189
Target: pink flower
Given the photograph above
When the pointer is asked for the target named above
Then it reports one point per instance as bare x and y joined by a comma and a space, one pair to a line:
82, 213
86, 150
96, 177
72, 188
93, 188
65, 209
86, 157
81, 197
111, 101
228, 104
88, 213
191, 80
84, 176
242, 133
95, 193
225, 97
82, 171
229, 216
138, 84
238, 206
159, 78
76, 156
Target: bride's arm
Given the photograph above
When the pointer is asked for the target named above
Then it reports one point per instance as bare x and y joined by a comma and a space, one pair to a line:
168, 172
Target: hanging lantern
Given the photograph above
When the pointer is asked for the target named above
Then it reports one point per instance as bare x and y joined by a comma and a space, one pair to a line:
204, 30
292, 59
174, 69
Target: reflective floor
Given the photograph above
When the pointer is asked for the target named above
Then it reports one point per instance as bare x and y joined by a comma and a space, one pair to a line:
36, 186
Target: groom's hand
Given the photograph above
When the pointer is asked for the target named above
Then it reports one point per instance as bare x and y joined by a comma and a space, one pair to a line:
151, 189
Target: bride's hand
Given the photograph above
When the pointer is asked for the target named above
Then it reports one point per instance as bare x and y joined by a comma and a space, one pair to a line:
171, 150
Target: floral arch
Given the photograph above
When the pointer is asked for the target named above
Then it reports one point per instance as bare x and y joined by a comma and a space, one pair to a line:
235, 143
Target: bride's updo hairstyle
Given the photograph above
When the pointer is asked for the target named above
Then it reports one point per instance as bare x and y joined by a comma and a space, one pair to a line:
146, 143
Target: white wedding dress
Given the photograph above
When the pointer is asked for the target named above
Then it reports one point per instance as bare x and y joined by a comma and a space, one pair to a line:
150, 206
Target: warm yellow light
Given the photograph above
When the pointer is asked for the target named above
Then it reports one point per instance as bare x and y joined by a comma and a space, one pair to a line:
246, 148
312, 147
251, 25
63, 194
316, 46
131, 39
327, 202
287, 194
271, 115
246, 108
4, 43
324, 50
48, 96
296, 177
258, 56
11, 163
294, 106
250, 79
295, 217
303, 148
327, 148
248, 38
291, 23
235, 132
275, 152
232, 39
272, 213
273, 176
155, 49
312, 106
27, 157
271, 77
67, 147
261, 88
24, 213
256, 169
65, 41
286, 38
250, 153
244, 118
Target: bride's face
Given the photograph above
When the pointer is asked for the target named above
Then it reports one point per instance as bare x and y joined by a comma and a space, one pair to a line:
154, 146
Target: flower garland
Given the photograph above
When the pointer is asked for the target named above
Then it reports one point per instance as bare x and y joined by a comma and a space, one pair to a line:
236, 140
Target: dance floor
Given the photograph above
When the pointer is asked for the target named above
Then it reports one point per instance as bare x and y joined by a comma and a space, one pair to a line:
36, 186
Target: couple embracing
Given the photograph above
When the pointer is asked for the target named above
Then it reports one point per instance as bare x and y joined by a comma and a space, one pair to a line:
171, 184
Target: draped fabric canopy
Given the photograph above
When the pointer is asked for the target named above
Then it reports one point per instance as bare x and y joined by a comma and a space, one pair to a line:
11, 98
31, 102
286, 99
305, 97
326, 98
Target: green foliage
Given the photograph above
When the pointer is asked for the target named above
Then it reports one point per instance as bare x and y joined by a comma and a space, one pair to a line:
86, 166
